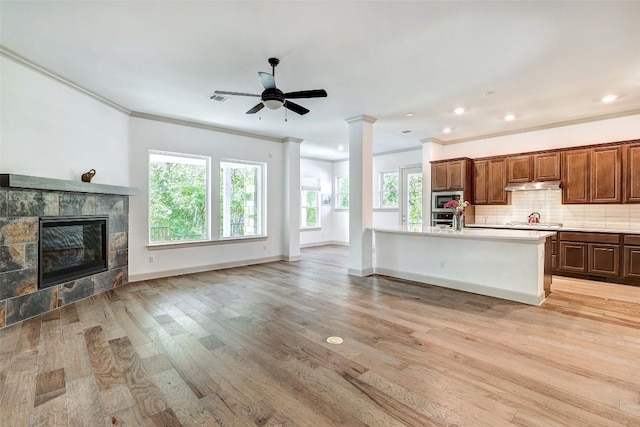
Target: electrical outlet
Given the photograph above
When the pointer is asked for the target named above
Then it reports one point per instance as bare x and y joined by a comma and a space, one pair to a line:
264, 247
441, 264
152, 259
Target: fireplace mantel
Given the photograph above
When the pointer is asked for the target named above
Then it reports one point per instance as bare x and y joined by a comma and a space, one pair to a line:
38, 183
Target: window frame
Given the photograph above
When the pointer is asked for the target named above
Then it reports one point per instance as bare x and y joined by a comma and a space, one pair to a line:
382, 191
338, 193
207, 193
261, 202
318, 189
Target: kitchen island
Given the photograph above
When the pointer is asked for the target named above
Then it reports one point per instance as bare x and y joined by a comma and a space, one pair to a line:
508, 264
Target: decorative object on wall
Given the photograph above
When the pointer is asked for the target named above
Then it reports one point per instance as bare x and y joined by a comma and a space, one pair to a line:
272, 97
326, 199
87, 176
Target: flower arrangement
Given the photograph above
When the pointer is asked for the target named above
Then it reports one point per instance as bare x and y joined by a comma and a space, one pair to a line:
457, 207
458, 212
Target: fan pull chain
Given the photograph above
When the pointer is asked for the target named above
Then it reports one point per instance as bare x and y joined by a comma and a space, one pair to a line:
285, 115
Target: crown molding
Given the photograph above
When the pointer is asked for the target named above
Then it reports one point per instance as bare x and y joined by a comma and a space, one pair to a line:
362, 118
434, 140
543, 127
202, 125
21, 60
292, 139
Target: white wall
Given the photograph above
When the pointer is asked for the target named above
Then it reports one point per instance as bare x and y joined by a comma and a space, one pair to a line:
602, 131
51, 130
149, 134
324, 171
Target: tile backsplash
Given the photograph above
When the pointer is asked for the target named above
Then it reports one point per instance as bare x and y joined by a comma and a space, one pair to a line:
548, 203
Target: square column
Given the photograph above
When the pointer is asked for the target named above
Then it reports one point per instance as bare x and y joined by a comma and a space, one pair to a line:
360, 195
431, 150
291, 233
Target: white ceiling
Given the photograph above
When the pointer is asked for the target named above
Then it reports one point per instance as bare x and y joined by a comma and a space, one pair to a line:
546, 62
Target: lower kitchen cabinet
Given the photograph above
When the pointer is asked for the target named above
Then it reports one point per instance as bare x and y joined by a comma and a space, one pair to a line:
631, 265
573, 257
604, 260
590, 254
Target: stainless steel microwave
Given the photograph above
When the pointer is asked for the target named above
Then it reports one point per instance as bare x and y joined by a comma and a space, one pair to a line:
439, 198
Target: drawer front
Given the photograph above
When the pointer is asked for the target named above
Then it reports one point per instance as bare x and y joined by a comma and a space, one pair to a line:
632, 239
612, 239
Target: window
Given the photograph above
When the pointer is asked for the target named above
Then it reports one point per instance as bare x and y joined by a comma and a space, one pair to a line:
178, 197
310, 203
342, 195
241, 198
389, 189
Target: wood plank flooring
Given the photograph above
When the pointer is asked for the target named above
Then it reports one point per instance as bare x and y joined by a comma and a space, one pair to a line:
247, 346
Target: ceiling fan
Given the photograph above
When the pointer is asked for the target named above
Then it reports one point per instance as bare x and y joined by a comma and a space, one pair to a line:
272, 97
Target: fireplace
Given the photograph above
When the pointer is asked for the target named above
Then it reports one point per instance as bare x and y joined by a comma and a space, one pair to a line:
71, 248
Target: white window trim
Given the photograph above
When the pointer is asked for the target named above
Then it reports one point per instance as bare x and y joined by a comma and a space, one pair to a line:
318, 189
207, 193
262, 196
381, 190
337, 199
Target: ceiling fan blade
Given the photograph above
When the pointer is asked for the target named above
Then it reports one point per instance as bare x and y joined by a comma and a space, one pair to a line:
224, 92
296, 108
256, 108
315, 93
268, 81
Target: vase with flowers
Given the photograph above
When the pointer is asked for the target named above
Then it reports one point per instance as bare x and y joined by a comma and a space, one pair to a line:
458, 212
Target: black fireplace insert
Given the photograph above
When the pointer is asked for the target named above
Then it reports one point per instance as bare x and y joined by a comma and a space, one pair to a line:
71, 248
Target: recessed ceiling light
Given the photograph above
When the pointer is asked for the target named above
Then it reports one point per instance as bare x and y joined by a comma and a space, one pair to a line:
340, 147
446, 130
409, 114
458, 110
609, 98
509, 117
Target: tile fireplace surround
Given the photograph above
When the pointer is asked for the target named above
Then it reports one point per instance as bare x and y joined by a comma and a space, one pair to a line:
23, 200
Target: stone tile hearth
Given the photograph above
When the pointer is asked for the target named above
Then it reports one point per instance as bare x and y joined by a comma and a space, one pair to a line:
20, 210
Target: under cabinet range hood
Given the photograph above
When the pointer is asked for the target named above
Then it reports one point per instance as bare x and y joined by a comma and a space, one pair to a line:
524, 186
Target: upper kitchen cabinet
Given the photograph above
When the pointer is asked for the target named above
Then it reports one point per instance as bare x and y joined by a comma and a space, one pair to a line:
592, 175
606, 174
632, 173
546, 166
575, 176
520, 168
490, 179
451, 175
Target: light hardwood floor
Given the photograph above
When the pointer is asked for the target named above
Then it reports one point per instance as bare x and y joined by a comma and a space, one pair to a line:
246, 346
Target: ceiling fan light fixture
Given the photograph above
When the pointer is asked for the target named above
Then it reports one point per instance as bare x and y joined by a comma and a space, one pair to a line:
272, 104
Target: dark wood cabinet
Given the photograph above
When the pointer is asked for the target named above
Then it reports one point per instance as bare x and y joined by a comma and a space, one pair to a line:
480, 182
497, 181
520, 168
451, 175
631, 256
574, 257
546, 166
632, 173
575, 176
604, 260
592, 175
438, 177
489, 181
593, 254
606, 175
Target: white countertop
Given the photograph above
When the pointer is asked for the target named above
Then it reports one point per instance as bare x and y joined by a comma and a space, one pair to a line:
533, 227
470, 233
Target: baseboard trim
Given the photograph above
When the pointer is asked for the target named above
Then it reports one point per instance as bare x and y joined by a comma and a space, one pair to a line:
199, 269
361, 273
324, 243
464, 286
292, 258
